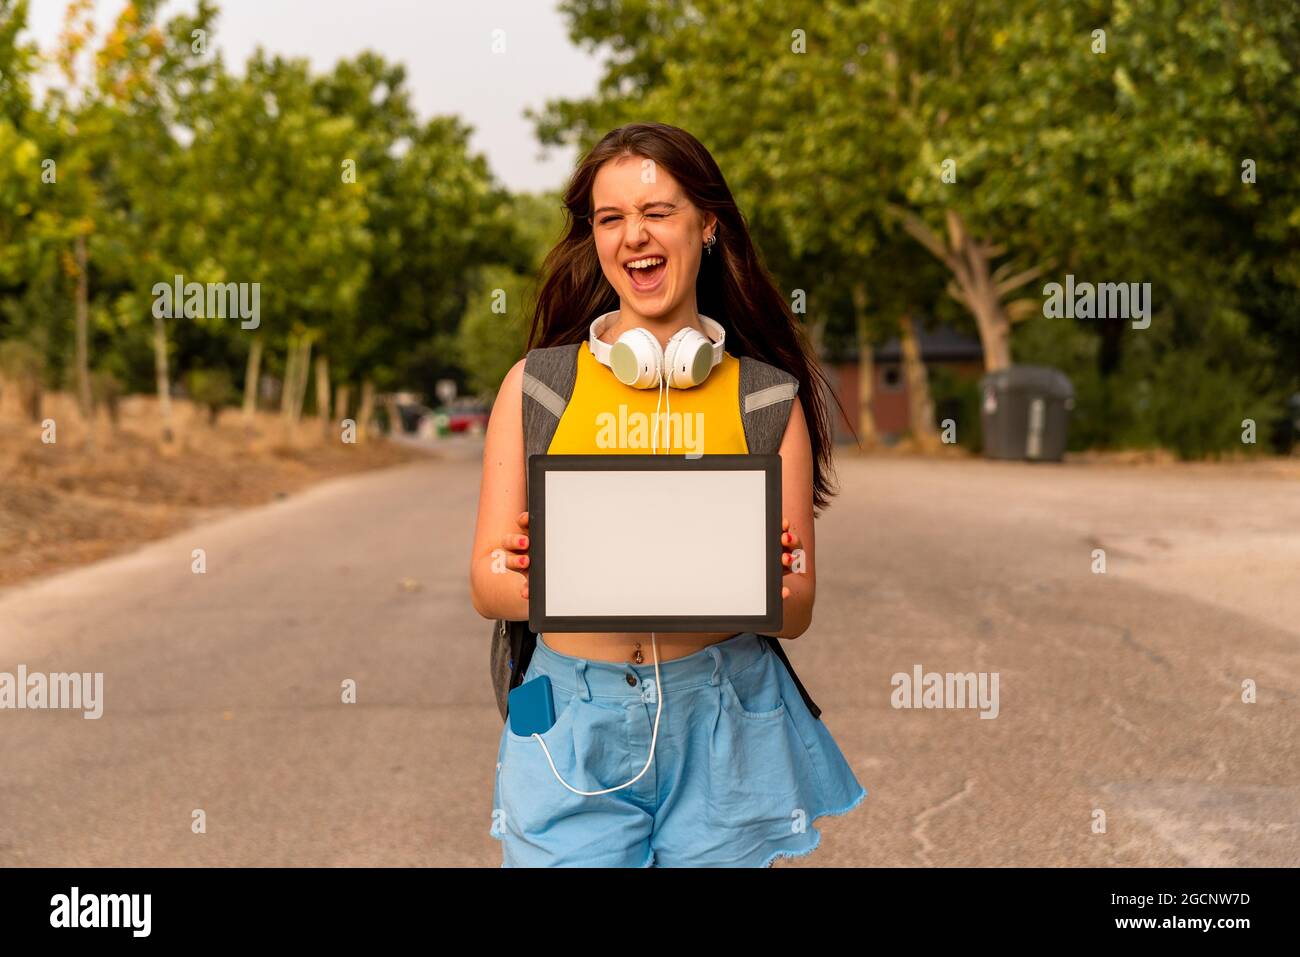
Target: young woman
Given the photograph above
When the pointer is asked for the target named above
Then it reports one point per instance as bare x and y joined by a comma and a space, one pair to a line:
729, 767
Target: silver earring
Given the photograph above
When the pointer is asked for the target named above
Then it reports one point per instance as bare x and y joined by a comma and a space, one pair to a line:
709, 243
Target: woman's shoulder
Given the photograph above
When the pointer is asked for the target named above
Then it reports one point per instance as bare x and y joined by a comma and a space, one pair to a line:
512, 384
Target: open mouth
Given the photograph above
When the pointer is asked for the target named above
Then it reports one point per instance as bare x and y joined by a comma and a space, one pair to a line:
647, 273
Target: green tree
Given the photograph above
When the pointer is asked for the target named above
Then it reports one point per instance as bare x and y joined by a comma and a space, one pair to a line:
987, 132
268, 201
437, 219
494, 328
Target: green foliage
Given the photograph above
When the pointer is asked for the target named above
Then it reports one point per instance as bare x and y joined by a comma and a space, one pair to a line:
1179, 386
362, 226
435, 218
17, 63
210, 388
383, 237
105, 391
1198, 406
494, 327
494, 330
957, 398
21, 361
1122, 165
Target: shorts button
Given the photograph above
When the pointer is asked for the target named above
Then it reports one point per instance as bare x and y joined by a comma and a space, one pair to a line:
631, 680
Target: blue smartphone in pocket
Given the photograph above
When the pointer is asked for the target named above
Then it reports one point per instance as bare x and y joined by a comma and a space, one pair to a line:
531, 707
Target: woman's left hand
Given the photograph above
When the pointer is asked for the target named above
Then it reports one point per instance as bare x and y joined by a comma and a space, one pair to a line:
789, 544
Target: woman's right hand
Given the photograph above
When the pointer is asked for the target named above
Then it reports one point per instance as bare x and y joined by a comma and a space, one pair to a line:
516, 546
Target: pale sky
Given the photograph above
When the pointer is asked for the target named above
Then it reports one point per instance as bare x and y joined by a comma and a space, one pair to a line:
446, 46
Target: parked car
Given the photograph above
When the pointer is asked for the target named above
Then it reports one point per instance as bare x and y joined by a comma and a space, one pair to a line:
411, 414
466, 415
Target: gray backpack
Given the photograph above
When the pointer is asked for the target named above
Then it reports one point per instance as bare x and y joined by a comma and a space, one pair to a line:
765, 396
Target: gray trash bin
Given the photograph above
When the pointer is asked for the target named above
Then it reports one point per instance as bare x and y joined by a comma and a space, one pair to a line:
1025, 413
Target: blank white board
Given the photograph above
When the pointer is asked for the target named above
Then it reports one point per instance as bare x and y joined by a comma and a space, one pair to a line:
687, 546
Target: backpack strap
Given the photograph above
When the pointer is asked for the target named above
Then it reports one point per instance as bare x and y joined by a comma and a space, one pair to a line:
549, 376
766, 397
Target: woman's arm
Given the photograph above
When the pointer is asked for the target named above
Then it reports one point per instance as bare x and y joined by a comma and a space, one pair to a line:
495, 588
797, 506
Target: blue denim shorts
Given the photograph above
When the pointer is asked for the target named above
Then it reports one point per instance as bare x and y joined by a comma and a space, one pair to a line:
741, 767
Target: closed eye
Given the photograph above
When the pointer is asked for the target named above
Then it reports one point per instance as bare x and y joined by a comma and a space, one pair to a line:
613, 216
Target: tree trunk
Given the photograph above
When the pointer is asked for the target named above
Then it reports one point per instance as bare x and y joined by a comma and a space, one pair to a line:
920, 406
394, 417
994, 327
300, 387
323, 394
969, 260
342, 399
367, 410
288, 387
973, 285
161, 378
250, 381
83, 333
867, 435
817, 335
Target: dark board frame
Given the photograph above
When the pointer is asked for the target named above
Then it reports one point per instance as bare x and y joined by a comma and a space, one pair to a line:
540, 621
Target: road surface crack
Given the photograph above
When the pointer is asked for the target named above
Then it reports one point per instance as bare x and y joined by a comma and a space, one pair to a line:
920, 821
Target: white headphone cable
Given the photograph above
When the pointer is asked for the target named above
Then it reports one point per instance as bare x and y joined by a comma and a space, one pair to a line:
653, 737
659, 394
668, 427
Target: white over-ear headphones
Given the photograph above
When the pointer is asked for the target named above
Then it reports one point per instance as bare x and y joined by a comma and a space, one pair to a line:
636, 359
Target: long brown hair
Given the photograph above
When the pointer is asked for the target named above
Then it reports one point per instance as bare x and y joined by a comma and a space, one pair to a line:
733, 286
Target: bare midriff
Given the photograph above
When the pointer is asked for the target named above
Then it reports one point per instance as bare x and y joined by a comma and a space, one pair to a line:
622, 646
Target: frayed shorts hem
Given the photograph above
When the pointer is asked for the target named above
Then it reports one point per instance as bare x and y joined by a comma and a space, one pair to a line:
817, 841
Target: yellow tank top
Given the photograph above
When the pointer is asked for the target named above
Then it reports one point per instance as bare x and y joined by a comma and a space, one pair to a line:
604, 415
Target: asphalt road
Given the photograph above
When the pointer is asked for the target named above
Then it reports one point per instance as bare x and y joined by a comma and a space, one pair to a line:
1119, 692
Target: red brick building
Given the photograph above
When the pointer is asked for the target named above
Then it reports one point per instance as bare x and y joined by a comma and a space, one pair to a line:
941, 347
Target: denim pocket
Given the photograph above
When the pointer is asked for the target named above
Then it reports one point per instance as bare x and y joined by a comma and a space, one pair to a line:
759, 769
754, 693
564, 708
531, 798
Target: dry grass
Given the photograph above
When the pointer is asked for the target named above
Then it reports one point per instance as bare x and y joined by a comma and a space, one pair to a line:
95, 492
